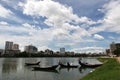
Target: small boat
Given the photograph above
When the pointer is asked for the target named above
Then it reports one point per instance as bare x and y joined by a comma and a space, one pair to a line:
46, 68
68, 65
30, 64
89, 65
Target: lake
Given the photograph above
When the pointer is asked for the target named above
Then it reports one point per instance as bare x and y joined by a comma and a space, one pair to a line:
15, 69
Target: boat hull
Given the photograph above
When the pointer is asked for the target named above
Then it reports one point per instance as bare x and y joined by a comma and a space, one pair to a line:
89, 65
67, 66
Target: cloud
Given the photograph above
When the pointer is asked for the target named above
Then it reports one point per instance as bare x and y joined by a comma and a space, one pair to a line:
64, 27
97, 36
24, 35
4, 12
112, 16
111, 37
3, 23
8, 15
89, 49
111, 20
55, 13
43, 48
12, 3
58, 17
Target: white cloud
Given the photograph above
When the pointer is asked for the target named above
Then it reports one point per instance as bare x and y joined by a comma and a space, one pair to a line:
55, 13
97, 36
9, 15
26, 34
89, 49
112, 16
3, 23
111, 37
65, 44
58, 17
4, 12
20, 4
43, 48
13, 3
111, 20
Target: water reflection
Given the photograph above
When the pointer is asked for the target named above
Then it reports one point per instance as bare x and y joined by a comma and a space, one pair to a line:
15, 69
9, 66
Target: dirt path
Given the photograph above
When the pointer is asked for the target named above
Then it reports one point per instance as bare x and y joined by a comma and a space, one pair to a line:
118, 58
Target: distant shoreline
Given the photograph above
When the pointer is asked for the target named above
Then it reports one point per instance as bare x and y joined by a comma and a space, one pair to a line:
43, 56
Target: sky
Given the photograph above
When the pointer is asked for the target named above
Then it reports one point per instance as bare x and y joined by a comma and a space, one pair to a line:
76, 25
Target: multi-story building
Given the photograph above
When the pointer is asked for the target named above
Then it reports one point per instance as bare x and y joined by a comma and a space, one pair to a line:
117, 45
30, 49
62, 50
8, 45
1, 51
11, 49
15, 47
113, 47
47, 51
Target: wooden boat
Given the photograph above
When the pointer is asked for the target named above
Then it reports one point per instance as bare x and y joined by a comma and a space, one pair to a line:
30, 64
89, 65
68, 65
46, 68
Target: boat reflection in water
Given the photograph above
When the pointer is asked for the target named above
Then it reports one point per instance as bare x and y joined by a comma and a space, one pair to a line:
46, 69
32, 64
9, 66
15, 69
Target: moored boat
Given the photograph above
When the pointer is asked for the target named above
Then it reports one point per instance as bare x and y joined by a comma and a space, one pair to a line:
68, 65
30, 64
89, 65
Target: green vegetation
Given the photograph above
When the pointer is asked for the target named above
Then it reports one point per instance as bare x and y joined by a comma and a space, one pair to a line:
109, 71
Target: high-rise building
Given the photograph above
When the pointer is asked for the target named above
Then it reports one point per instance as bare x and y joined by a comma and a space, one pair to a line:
30, 49
15, 47
62, 50
1, 51
11, 49
117, 45
114, 46
8, 45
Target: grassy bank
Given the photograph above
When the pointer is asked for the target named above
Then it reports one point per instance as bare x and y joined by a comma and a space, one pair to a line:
109, 71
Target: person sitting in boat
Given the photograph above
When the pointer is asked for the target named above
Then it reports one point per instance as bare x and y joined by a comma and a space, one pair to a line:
86, 63
68, 63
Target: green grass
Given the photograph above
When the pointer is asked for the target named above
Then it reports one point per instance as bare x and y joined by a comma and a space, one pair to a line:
109, 71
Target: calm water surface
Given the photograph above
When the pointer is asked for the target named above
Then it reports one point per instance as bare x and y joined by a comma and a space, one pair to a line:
15, 69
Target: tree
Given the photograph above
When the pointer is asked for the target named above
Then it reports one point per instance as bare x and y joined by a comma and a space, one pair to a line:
117, 52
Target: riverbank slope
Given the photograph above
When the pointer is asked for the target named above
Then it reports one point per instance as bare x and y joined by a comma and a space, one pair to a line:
109, 71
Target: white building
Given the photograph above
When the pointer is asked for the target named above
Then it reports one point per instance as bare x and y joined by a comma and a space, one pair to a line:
30, 49
62, 50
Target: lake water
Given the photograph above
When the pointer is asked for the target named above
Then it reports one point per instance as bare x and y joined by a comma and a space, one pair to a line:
15, 69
